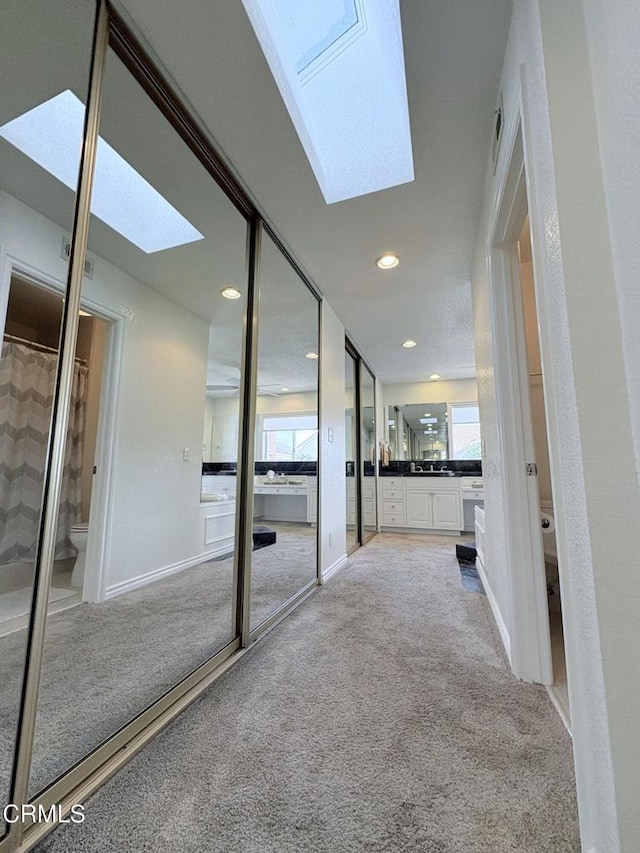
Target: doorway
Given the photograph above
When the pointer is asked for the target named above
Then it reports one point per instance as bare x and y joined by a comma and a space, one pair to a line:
29, 366
522, 412
535, 371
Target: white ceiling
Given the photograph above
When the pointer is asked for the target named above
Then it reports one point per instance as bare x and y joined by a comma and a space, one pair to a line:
453, 54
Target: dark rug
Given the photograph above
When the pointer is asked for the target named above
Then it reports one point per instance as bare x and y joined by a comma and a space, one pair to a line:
470, 578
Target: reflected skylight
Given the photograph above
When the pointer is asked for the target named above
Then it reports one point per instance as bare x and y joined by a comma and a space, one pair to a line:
50, 134
339, 66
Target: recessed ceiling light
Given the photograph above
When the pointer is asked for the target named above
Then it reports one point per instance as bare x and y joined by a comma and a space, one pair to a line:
387, 261
121, 197
435, 376
311, 355
427, 414
409, 344
230, 293
284, 390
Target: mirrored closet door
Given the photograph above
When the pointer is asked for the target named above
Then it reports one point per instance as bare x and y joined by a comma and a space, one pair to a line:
43, 67
284, 559
148, 512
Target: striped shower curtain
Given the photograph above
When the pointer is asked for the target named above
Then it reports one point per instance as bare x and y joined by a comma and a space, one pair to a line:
27, 380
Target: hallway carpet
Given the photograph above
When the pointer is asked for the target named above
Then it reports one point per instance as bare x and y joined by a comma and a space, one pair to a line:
380, 716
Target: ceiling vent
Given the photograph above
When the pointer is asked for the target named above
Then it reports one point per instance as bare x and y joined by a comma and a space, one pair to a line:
498, 127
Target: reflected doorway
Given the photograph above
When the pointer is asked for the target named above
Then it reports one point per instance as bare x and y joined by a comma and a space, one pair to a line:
28, 374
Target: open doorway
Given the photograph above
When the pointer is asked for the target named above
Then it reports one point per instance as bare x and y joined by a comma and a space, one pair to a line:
526, 614
27, 377
558, 688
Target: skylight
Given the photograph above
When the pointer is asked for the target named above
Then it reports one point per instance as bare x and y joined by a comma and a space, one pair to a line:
49, 134
339, 66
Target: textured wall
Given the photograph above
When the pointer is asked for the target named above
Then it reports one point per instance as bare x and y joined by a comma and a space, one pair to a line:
333, 490
613, 29
580, 202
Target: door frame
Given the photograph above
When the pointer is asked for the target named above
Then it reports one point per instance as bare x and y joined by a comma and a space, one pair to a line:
528, 640
98, 543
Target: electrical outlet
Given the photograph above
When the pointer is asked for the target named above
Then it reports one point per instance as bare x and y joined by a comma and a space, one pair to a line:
185, 454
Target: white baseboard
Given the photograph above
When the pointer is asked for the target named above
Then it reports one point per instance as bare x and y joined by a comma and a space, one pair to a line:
559, 706
157, 574
340, 563
495, 609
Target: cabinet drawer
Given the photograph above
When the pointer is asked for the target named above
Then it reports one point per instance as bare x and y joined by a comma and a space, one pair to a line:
472, 483
468, 495
391, 483
392, 494
391, 519
394, 507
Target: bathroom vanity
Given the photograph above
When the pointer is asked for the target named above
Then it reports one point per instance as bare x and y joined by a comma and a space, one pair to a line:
430, 501
287, 497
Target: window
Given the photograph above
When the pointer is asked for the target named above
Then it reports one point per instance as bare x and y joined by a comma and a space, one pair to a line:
465, 431
290, 438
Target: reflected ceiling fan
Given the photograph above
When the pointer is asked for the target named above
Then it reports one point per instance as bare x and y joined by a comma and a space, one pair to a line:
233, 384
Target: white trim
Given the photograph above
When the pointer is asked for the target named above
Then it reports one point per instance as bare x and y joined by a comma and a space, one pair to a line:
495, 609
158, 574
106, 440
553, 695
334, 568
530, 638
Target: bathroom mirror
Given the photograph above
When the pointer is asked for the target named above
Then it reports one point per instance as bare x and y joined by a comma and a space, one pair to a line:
284, 557
150, 550
433, 431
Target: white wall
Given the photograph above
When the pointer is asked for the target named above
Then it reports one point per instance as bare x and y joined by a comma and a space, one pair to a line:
597, 503
441, 391
155, 517
333, 489
613, 31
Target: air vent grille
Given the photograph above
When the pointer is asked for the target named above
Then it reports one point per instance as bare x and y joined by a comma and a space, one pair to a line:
65, 254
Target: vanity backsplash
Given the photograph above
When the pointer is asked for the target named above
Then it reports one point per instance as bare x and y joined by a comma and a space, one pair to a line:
459, 466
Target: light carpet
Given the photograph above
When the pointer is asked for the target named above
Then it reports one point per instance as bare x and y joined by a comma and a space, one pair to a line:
380, 716
105, 663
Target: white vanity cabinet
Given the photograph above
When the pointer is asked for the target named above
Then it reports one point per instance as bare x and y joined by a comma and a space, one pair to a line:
393, 502
312, 499
351, 501
428, 503
368, 500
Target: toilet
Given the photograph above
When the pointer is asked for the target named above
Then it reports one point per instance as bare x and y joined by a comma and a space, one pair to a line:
79, 534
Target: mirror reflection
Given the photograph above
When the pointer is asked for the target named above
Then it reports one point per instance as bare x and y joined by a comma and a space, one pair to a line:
150, 544
284, 557
369, 453
434, 431
36, 213
351, 448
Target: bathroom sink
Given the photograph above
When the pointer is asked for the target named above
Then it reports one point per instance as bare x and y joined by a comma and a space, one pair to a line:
431, 474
